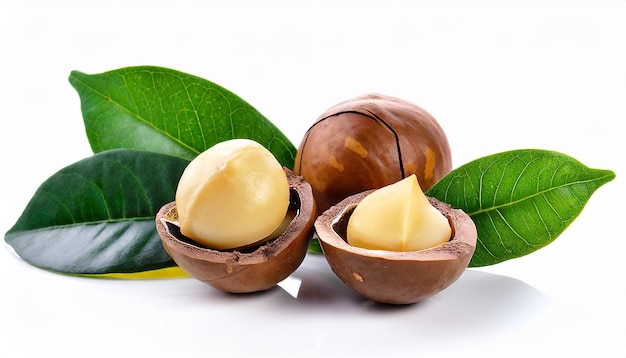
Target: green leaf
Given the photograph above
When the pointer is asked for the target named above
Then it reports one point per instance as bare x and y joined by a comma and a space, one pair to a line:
165, 111
520, 200
97, 215
315, 247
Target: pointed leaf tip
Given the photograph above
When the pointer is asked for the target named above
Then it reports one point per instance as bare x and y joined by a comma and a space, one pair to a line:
97, 215
520, 200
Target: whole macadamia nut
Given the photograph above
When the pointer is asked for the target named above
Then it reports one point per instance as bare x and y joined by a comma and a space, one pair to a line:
369, 142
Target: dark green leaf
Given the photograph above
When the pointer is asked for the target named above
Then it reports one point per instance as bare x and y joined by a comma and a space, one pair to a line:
97, 215
165, 111
520, 200
315, 247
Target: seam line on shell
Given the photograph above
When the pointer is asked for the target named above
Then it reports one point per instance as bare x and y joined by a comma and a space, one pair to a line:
370, 115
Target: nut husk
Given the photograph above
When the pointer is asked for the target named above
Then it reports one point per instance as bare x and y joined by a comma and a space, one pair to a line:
369, 142
396, 277
241, 271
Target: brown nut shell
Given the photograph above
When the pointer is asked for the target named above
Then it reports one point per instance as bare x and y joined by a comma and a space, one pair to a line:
369, 142
258, 269
396, 277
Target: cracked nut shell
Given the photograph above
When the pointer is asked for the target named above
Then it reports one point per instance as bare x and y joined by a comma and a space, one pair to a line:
396, 277
257, 269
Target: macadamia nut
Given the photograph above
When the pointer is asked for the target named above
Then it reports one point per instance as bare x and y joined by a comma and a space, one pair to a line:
368, 142
397, 217
232, 195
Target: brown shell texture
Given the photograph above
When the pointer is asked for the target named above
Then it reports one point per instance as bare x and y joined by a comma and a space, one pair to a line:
396, 277
369, 142
258, 269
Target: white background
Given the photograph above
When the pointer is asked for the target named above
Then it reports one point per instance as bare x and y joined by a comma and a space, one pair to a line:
498, 75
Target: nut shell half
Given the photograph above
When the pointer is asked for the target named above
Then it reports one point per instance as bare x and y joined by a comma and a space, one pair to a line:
257, 269
396, 277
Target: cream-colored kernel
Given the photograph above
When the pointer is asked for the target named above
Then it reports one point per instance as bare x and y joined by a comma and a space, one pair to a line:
232, 195
397, 217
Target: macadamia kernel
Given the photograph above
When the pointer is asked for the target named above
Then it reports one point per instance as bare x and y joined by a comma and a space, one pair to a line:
232, 195
397, 217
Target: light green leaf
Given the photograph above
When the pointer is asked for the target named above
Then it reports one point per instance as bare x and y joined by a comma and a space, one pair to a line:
520, 200
97, 215
165, 111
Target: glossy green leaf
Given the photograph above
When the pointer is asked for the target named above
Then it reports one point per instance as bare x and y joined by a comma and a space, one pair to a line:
97, 215
165, 111
315, 247
520, 200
